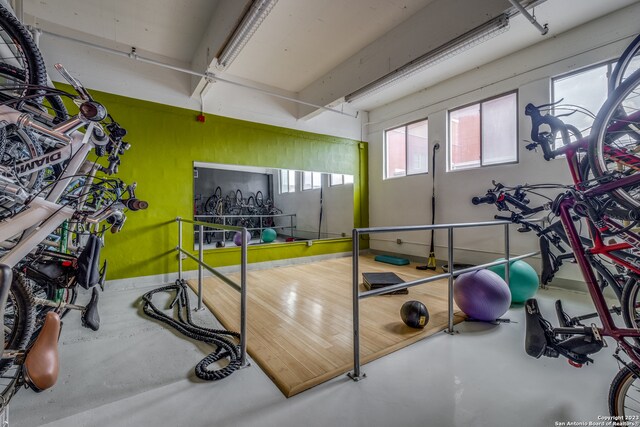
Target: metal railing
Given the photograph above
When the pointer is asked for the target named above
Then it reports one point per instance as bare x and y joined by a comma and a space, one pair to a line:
218, 227
356, 375
242, 287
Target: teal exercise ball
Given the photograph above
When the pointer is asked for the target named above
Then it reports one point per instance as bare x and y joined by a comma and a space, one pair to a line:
268, 235
523, 280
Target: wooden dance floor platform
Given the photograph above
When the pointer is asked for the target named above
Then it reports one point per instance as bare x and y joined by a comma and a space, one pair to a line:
299, 318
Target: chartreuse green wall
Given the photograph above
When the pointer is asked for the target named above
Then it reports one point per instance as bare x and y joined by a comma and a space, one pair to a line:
165, 141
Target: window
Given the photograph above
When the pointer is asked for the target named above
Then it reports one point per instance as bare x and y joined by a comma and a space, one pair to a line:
406, 150
339, 179
570, 91
311, 180
287, 181
485, 133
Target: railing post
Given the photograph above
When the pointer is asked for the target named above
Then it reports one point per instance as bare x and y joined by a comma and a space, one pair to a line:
506, 253
200, 260
451, 269
179, 248
243, 298
356, 375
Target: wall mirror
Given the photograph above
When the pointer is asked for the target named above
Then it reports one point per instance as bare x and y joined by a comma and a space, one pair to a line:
275, 205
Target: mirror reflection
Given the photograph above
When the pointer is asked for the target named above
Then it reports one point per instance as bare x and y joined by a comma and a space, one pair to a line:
275, 205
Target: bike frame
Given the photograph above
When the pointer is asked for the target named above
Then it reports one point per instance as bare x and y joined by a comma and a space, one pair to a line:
608, 325
631, 239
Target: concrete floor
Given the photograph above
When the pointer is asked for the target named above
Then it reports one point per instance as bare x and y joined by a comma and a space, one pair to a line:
136, 372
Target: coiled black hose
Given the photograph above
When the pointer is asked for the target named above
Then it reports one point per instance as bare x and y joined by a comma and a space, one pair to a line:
217, 337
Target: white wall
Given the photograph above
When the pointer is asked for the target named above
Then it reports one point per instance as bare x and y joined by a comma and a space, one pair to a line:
407, 201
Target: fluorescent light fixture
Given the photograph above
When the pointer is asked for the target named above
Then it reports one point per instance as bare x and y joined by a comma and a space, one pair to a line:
250, 22
462, 43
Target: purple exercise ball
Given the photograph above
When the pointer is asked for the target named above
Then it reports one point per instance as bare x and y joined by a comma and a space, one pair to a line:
482, 295
237, 238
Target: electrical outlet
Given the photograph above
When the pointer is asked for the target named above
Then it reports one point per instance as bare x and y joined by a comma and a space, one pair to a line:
399, 241
309, 242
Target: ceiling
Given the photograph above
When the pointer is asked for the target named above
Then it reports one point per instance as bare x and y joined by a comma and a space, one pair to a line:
315, 50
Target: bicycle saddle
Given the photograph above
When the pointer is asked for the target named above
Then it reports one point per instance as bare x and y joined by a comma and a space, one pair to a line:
535, 340
41, 365
90, 315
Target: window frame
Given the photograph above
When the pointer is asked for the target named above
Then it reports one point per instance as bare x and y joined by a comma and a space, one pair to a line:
302, 181
479, 103
288, 172
342, 178
406, 168
610, 66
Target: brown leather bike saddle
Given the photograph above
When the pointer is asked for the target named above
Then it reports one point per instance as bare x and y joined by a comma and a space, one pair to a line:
41, 365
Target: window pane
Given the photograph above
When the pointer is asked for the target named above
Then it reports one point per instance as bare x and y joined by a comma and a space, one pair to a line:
316, 180
306, 180
464, 128
292, 181
587, 89
395, 152
417, 148
633, 66
499, 133
284, 181
336, 179
348, 179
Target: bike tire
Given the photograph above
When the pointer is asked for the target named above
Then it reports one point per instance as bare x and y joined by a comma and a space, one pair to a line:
630, 306
619, 405
26, 55
620, 71
616, 125
55, 101
22, 312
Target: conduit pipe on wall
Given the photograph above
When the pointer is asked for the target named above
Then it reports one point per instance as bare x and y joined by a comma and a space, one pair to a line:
210, 77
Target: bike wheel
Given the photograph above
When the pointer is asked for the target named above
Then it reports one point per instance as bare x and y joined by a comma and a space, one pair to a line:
18, 50
19, 147
630, 305
624, 393
616, 130
628, 62
19, 318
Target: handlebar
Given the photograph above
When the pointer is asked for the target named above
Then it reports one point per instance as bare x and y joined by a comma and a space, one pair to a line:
135, 204
488, 199
545, 139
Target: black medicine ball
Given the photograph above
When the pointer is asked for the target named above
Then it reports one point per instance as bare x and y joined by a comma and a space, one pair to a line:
414, 314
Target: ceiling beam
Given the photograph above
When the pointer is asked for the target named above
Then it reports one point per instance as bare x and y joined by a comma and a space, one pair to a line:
225, 19
404, 43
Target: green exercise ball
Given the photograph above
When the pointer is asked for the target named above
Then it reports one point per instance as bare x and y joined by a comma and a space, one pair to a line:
268, 235
523, 280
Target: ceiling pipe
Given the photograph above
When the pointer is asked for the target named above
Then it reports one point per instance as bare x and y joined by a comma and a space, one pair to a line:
543, 29
210, 77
